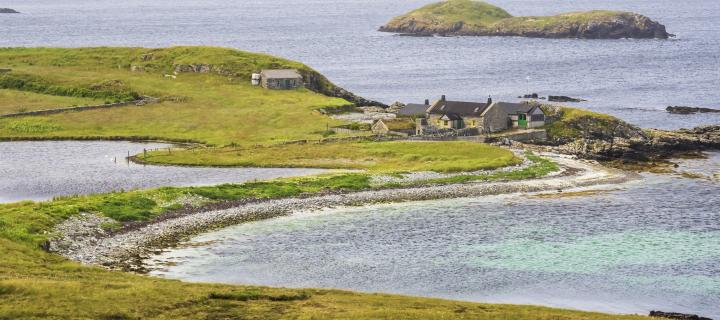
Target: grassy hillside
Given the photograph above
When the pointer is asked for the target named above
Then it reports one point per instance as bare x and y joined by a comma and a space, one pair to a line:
455, 11
219, 107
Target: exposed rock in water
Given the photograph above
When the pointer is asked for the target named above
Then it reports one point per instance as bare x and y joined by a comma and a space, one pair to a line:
530, 96
564, 99
602, 137
8, 10
476, 18
689, 110
677, 316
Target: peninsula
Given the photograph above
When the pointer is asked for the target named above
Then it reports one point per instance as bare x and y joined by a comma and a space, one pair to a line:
477, 18
205, 95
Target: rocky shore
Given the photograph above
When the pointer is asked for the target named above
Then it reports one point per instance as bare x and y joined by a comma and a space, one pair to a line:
84, 239
602, 137
690, 110
8, 10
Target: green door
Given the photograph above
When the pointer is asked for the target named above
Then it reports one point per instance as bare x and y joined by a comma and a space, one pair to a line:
522, 121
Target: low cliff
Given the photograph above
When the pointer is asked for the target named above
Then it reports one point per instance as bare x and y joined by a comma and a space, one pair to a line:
475, 18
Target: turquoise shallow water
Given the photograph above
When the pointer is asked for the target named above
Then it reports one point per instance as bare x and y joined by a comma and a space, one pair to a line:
650, 244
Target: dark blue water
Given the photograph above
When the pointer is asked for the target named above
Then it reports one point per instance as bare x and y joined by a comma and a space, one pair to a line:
633, 79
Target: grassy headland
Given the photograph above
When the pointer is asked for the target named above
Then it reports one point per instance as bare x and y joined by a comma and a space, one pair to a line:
210, 102
477, 18
218, 107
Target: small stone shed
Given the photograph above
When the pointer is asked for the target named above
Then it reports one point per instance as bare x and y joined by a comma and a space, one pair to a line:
282, 79
400, 126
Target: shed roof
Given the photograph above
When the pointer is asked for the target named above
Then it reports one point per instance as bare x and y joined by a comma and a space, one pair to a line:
280, 74
461, 108
516, 108
413, 109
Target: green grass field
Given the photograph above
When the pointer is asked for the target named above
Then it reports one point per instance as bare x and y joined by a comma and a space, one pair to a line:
454, 11
210, 108
374, 156
13, 101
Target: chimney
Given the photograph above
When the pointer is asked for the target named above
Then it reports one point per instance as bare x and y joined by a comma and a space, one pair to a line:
489, 100
427, 102
442, 98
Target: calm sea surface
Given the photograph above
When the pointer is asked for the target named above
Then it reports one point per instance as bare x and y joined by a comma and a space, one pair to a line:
648, 245
634, 79
41, 170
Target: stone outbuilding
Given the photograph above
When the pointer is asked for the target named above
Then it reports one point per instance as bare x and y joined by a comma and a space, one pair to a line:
401, 126
281, 79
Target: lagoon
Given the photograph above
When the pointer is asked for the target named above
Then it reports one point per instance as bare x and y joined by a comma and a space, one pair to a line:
41, 170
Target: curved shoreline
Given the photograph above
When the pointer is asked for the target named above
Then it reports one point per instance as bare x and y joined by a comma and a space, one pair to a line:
127, 250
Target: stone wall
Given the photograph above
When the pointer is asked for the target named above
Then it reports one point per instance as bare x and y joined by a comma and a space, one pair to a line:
140, 102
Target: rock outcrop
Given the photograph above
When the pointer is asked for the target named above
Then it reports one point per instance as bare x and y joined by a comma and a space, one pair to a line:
564, 99
475, 18
7, 10
677, 316
689, 110
602, 137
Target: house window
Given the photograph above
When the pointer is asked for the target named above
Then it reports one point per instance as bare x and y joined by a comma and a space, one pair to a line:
446, 123
472, 123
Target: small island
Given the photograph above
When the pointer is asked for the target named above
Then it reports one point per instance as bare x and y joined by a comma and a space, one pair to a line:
8, 10
476, 18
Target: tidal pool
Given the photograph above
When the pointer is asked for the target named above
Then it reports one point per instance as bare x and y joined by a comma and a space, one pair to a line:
41, 170
653, 244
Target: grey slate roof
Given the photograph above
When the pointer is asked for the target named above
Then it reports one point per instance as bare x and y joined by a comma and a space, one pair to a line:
413, 109
280, 74
461, 108
516, 108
